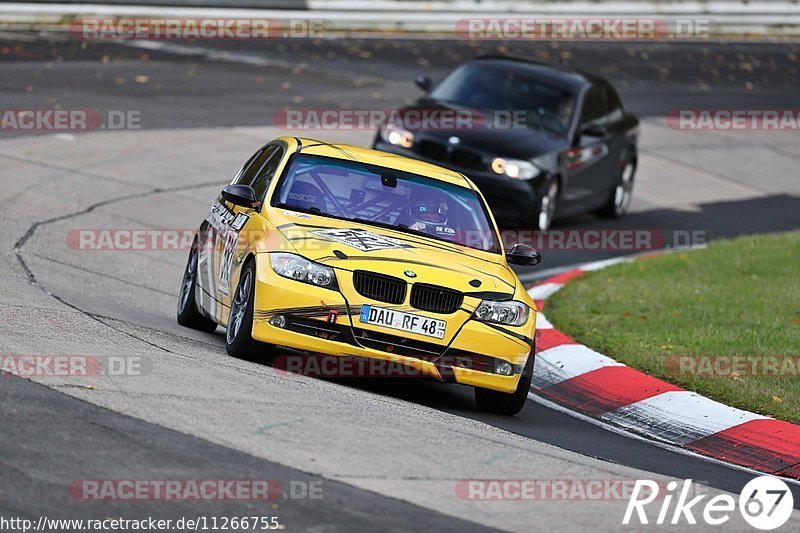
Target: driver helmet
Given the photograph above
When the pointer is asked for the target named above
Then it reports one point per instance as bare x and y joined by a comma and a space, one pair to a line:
429, 206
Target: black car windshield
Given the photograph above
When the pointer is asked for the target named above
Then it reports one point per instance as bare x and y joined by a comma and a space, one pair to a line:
370, 194
490, 87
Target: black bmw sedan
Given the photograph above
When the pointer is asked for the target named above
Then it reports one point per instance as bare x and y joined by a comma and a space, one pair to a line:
551, 142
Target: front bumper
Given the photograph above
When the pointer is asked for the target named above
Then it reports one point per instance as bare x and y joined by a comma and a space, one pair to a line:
321, 321
514, 203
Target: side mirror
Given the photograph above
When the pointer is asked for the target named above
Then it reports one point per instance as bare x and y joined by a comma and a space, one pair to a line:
241, 195
594, 130
522, 254
424, 83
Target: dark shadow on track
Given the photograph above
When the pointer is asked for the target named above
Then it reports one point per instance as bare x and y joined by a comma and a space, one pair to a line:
120, 447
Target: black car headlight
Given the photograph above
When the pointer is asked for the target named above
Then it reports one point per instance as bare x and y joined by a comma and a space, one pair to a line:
515, 168
510, 313
301, 269
397, 136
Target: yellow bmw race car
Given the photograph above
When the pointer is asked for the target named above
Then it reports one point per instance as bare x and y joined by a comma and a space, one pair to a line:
344, 251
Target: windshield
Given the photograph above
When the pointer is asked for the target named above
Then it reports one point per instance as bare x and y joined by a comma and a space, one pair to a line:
494, 88
389, 198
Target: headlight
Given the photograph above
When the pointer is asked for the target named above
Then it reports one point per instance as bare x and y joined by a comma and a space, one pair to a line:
397, 136
509, 313
515, 168
301, 269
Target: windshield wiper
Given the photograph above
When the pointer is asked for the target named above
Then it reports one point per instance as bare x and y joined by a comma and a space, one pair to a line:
396, 227
313, 210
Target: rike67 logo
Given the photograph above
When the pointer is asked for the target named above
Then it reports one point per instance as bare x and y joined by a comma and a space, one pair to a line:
765, 503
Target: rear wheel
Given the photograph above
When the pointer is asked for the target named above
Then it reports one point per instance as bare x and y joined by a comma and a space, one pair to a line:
239, 341
503, 403
620, 198
188, 315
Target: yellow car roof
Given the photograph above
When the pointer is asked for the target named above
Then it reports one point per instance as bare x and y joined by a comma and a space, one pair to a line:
383, 159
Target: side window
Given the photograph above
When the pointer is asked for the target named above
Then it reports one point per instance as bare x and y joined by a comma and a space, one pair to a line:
251, 168
267, 171
594, 106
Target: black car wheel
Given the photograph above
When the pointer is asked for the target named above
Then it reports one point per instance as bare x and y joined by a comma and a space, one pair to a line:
620, 198
188, 315
238, 337
503, 403
547, 206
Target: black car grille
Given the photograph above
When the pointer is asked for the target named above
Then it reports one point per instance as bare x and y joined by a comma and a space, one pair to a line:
435, 299
466, 159
397, 345
460, 157
378, 287
432, 150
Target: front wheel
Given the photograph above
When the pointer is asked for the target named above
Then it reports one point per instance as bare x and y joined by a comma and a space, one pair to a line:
503, 403
239, 341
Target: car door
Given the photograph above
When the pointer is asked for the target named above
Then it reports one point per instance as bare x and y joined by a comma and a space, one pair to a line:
215, 255
588, 163
229, 248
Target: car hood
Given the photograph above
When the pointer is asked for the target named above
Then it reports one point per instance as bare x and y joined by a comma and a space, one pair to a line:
521, 143
346, 245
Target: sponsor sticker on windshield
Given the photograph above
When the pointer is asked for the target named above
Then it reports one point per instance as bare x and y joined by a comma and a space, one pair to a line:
361, 239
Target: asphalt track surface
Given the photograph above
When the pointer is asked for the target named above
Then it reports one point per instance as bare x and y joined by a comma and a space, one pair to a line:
389, 451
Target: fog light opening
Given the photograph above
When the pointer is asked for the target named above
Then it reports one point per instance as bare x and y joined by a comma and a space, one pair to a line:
278, 321
504, 368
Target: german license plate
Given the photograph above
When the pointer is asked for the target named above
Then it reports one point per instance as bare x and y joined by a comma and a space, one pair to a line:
388, 318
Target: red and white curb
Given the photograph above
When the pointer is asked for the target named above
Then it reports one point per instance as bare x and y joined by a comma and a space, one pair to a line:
598, 387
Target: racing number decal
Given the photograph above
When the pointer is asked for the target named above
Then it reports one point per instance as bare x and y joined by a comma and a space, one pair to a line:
231, 236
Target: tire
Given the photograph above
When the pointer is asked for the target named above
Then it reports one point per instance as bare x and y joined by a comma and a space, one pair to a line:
188, 315
620, 197
547, 206
238, 337
503, 403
